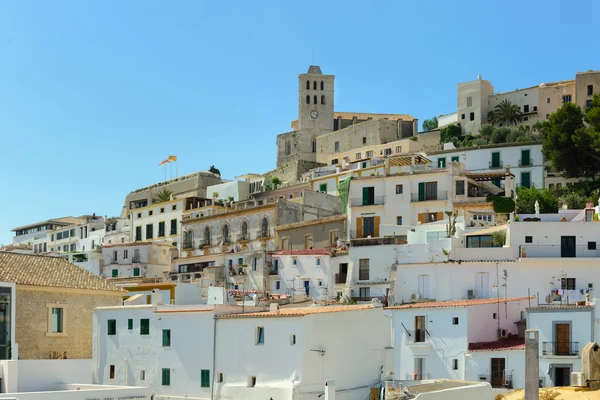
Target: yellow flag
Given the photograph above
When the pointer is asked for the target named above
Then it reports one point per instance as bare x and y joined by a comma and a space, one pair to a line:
164, 162
172, 158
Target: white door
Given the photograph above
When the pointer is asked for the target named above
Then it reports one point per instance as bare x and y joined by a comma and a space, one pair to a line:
482, 285
424, 286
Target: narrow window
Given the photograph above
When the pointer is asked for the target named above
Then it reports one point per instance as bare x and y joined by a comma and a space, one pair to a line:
322, 86
398, 220
292, 339
336, 147
472, 116
399, 189
220, 377
455, 321
494, 316
142, 375
455, 364
462, 116
277, 285
318, 261
260, 335
307, 99
469, 101
322, 99
205, 378
112, 372
315, 85
252, 381
130, 324
364, 140
166, 377
166, 338
144, 326
526, 108
590, 90
265, 227
314, 145
307, 85
112, 327
315, 100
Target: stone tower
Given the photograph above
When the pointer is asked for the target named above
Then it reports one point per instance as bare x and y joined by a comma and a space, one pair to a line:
315, 101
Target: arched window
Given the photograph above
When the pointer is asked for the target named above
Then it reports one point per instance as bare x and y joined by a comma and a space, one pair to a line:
226, 233
207, 236
307, 99
307, 84
322, 86
245, 231
264, 231
323, 99
188, 240
288, 147
315, 102
314, 144
315, 85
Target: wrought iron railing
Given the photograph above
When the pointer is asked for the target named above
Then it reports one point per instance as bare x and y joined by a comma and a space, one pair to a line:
560, 348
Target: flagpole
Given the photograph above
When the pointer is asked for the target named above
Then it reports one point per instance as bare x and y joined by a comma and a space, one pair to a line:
176, 170
165, 173
171, 169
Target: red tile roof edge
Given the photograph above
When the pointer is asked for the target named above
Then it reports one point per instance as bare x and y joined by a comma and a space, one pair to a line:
303, 252
515, 343
457, 303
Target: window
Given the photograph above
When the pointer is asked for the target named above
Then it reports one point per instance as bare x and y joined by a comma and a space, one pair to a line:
548, 100
368, 228
144, 326
322, 86
363, 269
166, 377
588, 103
399, 189
173, 227
254, 264
525, 118
138, 233
455, 321
454, 158
528, 239
534, 108
547, 116
277, 285
462, 116
162, 210
314, 85
591, 245
590, 90
427, 191
205, 378
174, 207
111, 329
472, 116
115, 273
112, 372
260, 335
469, 101
150, 213
115, 256
334, 161
387, 152
368, 195
566, 98
308, 241
252, 381
130, 324
265, 227
460, 188
166, 338
323, 99
364, 140
315, 99
307, 99
526, 179
149, 231
142, 375
419, 328
292, 339
567, 283
526, 108
455, 364
307, 85
323, 188
225, 233
294, 261
125, 254
207, 236
314, 145
398, 149
56, 320
441, 162
398, 220
285, 242
336, 147
220, 377
358, 156
161, 229
318, 261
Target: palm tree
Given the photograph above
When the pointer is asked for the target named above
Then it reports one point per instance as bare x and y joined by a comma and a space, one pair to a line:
506, 113
163, 195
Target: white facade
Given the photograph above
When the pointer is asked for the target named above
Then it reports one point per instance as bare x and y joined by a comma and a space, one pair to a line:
159, 222
238, 190
526, 161
138, 259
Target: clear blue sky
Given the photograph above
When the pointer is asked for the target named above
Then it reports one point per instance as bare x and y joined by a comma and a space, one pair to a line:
93, 95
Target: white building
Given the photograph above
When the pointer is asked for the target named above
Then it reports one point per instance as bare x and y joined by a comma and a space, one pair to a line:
137, 259
223, 352
158, 222
236, 190
117, 230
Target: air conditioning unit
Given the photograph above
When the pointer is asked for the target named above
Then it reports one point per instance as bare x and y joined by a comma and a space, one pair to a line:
502, 333
578, 379
470, 294
415, 297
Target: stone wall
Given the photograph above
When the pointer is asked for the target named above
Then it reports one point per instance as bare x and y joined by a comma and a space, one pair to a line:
296, 235
430, 140
32, 323
292, 171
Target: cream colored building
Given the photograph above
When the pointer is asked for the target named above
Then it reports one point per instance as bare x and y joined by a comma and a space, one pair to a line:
54, 305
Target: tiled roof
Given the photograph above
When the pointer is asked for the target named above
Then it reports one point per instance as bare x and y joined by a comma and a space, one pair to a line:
129, 244
457, 303
364, 116
303, 252
43, 271
299, 312
513, 343
184, 309
560, 307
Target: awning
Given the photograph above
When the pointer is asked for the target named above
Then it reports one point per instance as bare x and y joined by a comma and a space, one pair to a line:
488, 176
406, 160
487, 231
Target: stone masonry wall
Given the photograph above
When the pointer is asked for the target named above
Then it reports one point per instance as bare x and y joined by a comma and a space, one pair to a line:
32, 323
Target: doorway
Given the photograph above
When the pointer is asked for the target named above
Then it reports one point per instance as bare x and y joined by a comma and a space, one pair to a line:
562, 376
562, 335
567, 246
307, 287
498, 366
418, 369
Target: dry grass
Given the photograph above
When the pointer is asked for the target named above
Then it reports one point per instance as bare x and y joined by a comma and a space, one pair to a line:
545, 394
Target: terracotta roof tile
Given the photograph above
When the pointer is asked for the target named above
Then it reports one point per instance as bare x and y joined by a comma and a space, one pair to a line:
457, 303
559, 307
361, 116
512, 343
303, 252
44, 271
300, 312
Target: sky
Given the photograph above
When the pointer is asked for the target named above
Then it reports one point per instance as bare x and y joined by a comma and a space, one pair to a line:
94, 95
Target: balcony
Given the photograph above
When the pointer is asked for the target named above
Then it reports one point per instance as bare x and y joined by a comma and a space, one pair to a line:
526, 162
496, 165
243, 237
374, 201
187, 244
560, 348
263, 235
442, 195
273, 272
205, 243
382, 299
557, 251
341, 278
136, 260
114, 261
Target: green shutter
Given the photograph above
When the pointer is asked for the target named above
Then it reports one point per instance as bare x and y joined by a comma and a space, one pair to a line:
323, 188
496, 160
112, 327
166, 377
365, 196
526, 179
136, 272
496, 182
130, 324
205, 378
115, 273
144, 327
455, 159
525, 157
166, 337
421, 191
441, 162
138, 233
173, 227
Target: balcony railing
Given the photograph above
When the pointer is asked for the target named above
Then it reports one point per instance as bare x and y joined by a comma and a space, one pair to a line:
114, 261
557, 251
526, 163
205, 242
496, 165
560, 348
243, 237
263, 235
135, 259
273, 271
187, 244
442, 195
374, 201
383, 299
341, 278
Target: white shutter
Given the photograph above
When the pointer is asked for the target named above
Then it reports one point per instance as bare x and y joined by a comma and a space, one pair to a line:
424, 286
482, 285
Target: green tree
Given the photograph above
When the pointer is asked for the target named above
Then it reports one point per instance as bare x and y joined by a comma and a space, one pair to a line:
430, 124
573, 148
451, 134
276, 182
506, 113
574, 200
162, 196
526, 198
214, 170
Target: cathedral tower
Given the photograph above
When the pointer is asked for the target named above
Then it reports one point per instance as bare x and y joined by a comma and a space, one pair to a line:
315, 101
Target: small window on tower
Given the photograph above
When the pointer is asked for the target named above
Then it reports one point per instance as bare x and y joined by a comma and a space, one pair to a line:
322, 86
315, 85
307, 99
323, 99
307, 85
315, 100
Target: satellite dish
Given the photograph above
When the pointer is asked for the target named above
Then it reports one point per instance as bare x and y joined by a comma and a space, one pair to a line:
548, 299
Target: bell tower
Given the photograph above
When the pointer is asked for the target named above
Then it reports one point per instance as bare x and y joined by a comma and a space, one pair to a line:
315, 102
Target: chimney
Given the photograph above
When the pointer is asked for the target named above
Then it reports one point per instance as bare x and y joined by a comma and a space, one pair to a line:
156, 298
329, 389
274, 308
